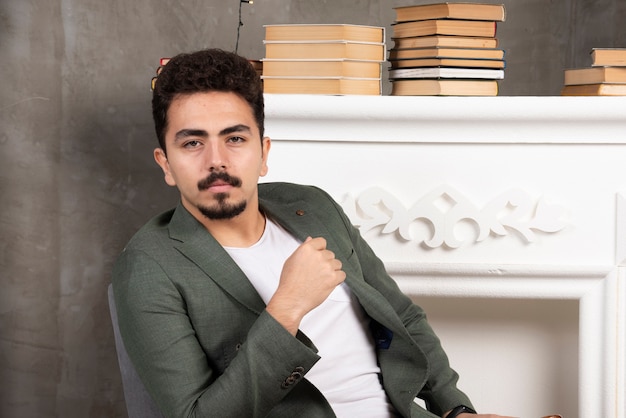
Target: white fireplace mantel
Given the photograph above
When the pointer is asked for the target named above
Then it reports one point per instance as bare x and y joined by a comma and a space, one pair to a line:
448, 119
487, 199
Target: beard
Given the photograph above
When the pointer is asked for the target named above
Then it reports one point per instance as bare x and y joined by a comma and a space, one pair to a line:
222, 208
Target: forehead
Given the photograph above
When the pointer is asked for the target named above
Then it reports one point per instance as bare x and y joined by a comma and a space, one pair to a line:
214, 101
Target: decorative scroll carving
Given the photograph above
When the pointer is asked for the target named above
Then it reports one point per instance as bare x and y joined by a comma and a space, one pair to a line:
444, 209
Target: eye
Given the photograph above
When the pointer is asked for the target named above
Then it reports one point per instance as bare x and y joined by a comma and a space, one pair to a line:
236, 139
192, 144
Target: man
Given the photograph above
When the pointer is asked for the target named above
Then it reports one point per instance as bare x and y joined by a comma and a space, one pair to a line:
255, 300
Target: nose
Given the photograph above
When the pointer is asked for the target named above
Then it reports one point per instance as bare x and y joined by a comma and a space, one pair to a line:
216, 156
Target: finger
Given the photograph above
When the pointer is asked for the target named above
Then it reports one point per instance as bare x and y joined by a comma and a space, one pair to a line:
328, 255
318, 243
337, 264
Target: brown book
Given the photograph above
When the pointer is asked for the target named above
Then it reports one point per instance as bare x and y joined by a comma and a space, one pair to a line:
426, 87
329, 85
608, 57
594, 75
446, 62
477, 53
598, 89
322, 68
445, 41
445, 27
256, 64
469, 11
324, 32
325, 50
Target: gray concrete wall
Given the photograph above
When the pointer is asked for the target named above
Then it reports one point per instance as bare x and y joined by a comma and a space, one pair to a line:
76, 172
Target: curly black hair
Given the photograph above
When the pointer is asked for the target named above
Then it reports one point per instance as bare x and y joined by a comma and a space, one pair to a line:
204, 71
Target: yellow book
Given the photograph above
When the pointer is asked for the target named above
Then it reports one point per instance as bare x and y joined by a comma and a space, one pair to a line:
444, 27
608, 57
598, 89
324, 32
446, 62
427, 87
322, 68
325, 50
445, 41
468, 11
474, 53
328, 85
594, 75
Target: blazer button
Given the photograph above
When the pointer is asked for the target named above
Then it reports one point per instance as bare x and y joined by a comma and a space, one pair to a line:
293, 377
300, 212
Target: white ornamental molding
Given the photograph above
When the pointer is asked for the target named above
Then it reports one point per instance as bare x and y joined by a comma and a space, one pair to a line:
444, 208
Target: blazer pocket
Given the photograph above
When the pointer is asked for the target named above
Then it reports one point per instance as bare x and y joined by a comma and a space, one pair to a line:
350, 265
230, 350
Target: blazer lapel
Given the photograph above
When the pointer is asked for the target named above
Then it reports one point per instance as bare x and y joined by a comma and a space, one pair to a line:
197, 244
296, 218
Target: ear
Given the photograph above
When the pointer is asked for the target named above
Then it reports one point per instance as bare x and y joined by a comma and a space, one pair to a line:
266, 144
161, 160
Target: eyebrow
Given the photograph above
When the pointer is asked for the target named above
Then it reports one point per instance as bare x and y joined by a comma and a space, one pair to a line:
185, 133
235, 128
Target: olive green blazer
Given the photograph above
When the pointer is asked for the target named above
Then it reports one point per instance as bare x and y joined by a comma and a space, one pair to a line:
204, 346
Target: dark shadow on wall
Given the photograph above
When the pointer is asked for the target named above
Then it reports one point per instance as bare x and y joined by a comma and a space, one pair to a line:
109, 186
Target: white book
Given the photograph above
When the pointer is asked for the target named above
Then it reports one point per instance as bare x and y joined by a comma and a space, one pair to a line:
445, 72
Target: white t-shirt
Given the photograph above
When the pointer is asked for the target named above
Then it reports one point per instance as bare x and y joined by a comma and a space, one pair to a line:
347, 372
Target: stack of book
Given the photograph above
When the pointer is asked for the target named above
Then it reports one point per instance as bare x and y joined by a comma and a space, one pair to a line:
162, 63
447, 49
336, 59
605, 77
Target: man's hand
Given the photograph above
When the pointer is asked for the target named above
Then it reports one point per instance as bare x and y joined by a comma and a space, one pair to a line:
309, 275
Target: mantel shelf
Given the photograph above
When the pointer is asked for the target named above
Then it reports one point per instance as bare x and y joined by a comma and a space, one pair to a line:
503, 119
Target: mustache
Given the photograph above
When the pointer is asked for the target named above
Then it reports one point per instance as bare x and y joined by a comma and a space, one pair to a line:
219, 175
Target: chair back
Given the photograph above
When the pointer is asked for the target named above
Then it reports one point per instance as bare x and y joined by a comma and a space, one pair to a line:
139, 404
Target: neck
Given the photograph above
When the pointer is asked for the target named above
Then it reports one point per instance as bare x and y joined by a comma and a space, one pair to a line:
241, 231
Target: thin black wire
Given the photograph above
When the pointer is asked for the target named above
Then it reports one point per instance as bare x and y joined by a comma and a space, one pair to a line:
238, 27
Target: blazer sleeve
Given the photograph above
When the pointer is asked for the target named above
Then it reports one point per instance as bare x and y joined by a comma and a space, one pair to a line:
161, 342
440, 392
